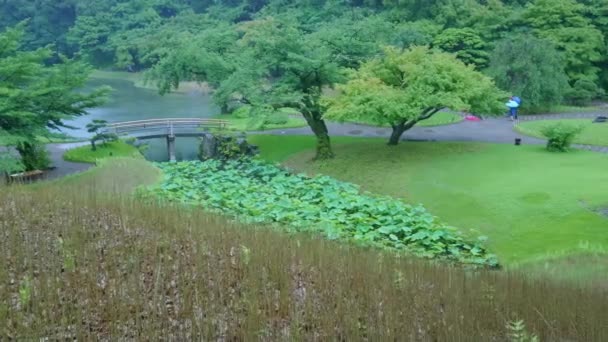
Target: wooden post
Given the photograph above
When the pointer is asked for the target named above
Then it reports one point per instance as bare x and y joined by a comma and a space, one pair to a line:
171, 148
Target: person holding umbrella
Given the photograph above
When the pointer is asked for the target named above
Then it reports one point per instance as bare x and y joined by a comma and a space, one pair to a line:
513, 105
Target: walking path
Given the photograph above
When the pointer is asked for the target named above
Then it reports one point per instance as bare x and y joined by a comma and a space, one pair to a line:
62, 167
491, 130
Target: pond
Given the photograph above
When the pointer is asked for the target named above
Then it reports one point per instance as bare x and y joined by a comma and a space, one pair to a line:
128, 102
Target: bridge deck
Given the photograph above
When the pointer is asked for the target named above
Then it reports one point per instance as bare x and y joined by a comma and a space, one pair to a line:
166, 127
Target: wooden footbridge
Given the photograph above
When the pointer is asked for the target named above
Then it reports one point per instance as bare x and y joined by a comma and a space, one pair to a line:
166, 128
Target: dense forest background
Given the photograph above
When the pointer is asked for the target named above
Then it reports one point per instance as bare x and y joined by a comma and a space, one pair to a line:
549, 51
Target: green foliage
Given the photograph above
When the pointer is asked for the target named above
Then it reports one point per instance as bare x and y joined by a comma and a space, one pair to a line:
560, 136
273, 64
258, 192
402, 88
583, 92
97, 128
592, 134
465, 43
10, 164
518, 333
531, 68
34, 156
563, 22
37, 96
464, 184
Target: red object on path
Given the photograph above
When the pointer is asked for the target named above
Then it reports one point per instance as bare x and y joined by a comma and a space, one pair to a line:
472, 118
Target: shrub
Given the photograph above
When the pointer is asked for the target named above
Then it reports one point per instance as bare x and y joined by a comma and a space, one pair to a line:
257, 192
9, 164
276, 119
560, 136
34, 156
242, 112
583, 92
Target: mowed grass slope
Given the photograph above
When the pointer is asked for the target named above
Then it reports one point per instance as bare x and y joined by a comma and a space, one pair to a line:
532, 204
91, 264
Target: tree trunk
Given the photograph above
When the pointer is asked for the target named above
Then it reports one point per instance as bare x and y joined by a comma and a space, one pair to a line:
396, 135
398, 131
225, 109
319, 128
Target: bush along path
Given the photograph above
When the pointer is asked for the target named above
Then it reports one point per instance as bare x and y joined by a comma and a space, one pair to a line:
257, 192
589, 116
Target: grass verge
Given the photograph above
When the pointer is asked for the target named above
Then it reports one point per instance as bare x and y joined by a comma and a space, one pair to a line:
592, 134
85, 154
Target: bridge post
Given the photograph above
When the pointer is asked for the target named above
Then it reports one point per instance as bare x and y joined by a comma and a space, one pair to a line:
171, 148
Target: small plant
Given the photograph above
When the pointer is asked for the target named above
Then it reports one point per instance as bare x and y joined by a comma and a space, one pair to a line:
518, 333
97, 127
25, 291
560, 136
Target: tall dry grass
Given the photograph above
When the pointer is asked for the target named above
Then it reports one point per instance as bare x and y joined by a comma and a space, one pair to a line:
77, 264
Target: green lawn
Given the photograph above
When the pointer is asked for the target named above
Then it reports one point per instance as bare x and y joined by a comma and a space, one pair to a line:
441, 118
593, 133
85, 154
244, 124
576, 109
533, 205
277, 148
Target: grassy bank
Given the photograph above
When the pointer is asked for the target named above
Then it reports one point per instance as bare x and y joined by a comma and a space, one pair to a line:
89, 266
85, 154
592, 134
533, 205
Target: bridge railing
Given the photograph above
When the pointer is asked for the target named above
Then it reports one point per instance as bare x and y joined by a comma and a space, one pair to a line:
165, 124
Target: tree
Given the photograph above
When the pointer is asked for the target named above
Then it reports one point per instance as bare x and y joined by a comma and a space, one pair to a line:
531, 68
272, 65
465, 43
404, 88
96, 127
563, 23
35, 96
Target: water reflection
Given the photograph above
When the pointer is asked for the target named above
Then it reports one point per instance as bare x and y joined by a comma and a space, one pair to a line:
128, 103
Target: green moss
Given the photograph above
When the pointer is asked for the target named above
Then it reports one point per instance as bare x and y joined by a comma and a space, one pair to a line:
85, 154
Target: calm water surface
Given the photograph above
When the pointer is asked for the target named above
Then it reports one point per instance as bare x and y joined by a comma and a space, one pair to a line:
128, 103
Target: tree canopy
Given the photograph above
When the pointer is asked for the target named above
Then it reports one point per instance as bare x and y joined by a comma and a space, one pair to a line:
526, 65
35, 96
403, 88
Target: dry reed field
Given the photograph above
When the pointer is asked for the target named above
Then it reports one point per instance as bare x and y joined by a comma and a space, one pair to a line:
82, 264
